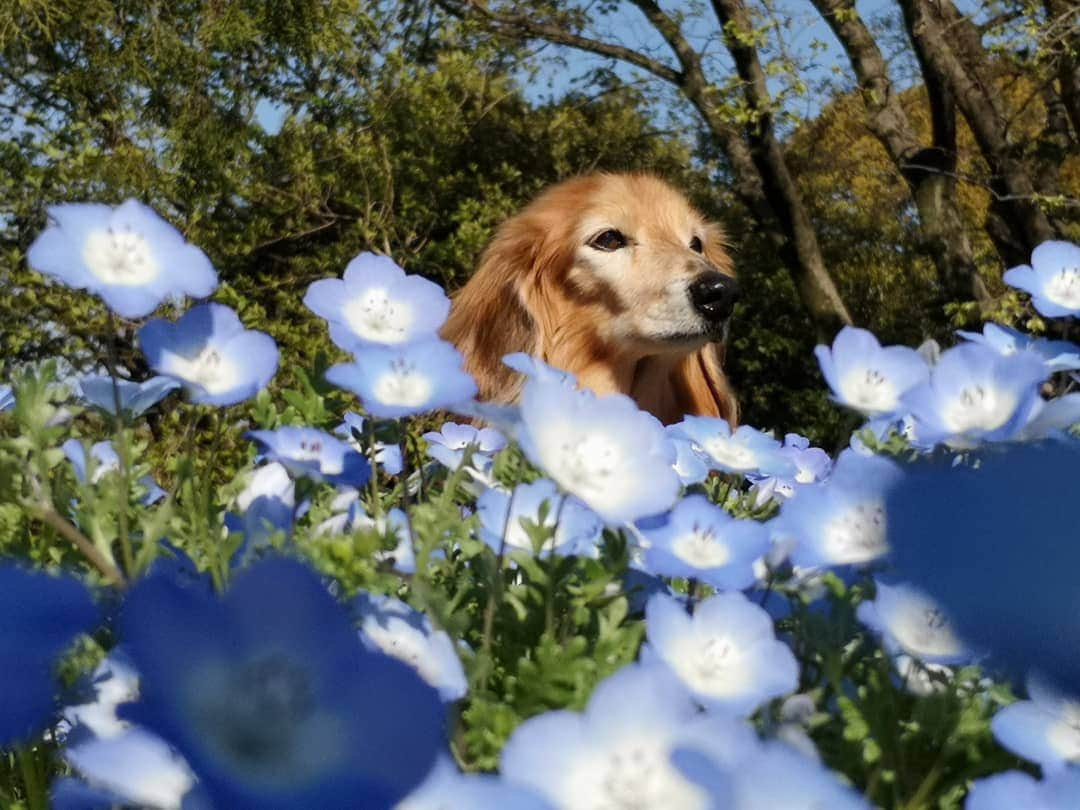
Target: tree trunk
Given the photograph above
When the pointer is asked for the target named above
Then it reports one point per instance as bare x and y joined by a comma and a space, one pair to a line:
948, 47
929, 172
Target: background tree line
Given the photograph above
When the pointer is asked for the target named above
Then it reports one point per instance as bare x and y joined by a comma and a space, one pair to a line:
940, 146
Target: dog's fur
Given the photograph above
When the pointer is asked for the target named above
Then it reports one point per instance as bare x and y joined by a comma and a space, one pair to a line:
621, 320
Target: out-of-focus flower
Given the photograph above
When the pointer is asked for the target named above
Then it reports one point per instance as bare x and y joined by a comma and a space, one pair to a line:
387, 456
974, 395
7, 398
128, 255
134, 766
1051, 419
536, 369
1019, 602
313, 453
774, 776
577, 530
604, 450
726, 653
842, 520
618, 753
1044, 729
745, 450
391, 626
447, 788
1014, 790
209, 351
406, 380
866, 376
447, 446
270, 697
104, 460
1058, 355
909, 621
42, 616
690, 464
811, 465
1052, 278
375, 303
135, 398
920, 678
702, 541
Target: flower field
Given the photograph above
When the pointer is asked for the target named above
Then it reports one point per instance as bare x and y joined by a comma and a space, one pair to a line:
351, 594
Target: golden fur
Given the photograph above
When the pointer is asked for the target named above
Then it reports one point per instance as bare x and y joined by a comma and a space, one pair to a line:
620, 321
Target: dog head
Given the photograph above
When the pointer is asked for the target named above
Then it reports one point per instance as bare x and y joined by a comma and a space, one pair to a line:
614, 277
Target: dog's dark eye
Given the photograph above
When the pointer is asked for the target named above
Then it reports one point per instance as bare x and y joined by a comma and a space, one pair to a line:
696, 246
608, 240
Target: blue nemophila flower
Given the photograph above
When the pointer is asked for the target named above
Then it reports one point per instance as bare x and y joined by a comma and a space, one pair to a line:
1013, 790
604, 450
577, 529
42, 616
375, 303
1019, 602
133, 765
313, 453
128, 255
209, 351
774, 776
1044, 729
135, 398
447, 788
690, 464
7, 398
866, 376
726, 653
911, 622
1051, 419
447, 446
102, 461
270, 697
406, 380
974, 395
842, 520
391, 626
745, 450
702, 541
1053, 279
536, 369
387, 456
811, 465
1059, 355
618, 752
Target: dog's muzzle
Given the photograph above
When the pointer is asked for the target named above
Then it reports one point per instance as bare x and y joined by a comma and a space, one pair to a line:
714, 295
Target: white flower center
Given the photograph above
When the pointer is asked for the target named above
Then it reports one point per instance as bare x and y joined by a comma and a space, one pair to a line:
923, 630
398, 640
870, 390
403, 385
211, 370
701, 548
310, 451
730, 453
711, 666
120, 257
1064, 736
375, 316
585, 463
1064, 287
804, 476
636, 775
979, 407
857, 535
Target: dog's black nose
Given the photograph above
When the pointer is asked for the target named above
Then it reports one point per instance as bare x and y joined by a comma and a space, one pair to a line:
714, 295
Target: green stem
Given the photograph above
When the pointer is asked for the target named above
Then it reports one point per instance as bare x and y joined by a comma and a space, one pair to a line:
48, 515
376, 502
35, 790
123, 529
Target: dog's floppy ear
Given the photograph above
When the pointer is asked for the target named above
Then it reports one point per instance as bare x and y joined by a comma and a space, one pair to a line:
500, 310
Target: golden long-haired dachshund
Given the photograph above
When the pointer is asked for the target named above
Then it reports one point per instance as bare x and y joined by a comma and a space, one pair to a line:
615, 278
